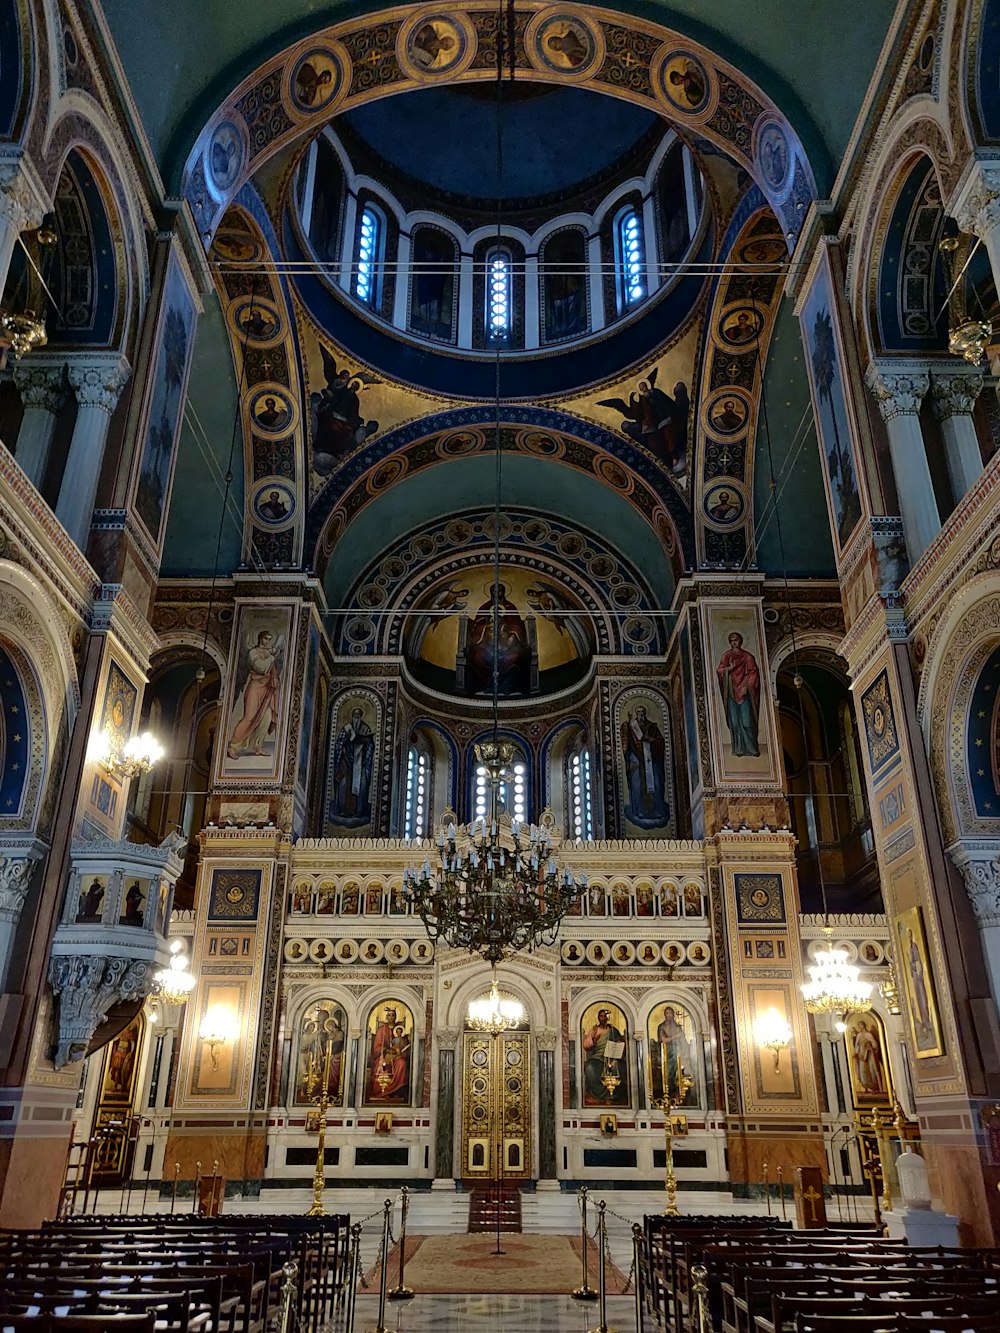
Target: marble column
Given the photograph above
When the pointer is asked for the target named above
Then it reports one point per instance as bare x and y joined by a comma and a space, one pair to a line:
978, 862
954, 391
97, 380
43, 391
899, 387
17, 866
23, 203
444, 1118
545, 1042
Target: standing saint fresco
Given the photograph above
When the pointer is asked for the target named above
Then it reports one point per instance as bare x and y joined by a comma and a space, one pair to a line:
739, 681
353, 759
604, 1058
644, 749
257, 697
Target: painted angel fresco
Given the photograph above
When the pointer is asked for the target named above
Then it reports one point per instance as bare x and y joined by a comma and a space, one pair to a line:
335, 411
655, 419
255, 715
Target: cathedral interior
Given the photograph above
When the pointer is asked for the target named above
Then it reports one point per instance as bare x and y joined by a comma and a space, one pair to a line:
613, 390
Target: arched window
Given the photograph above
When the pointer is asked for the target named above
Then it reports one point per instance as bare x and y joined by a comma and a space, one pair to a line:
563, 266
579, 801
629, 259
498, 296
513, 792
367, 264
433, 270
418, 791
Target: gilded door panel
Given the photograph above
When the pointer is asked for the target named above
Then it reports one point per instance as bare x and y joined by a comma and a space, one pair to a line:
496, 1105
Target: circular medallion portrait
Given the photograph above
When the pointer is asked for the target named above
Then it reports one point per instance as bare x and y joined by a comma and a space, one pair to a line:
769, 250
235, 247
727, 413
774, 157
256, 320
316, 80
724, 504
296, 951
272, 410
673, 953
572, 952
435, 44
682, 81
741, 326
347, 951
372, 951
224, 157
648, 953
321, 951
560, 42
274, 503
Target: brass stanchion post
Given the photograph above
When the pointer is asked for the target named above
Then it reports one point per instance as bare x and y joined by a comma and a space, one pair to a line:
352, 1276
585, 1291
173, 1190
637, 1241
781, 1191
386, 1229
399, 1292
289, 1272
767, 1189
699, 1291
602, 1290
197, 1186
666, 1104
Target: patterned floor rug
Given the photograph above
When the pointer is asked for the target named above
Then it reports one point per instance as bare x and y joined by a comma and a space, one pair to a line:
529, 1266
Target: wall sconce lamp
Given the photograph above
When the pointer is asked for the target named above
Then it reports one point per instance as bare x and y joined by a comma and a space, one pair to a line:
774, 1035
217, 1027
137, 755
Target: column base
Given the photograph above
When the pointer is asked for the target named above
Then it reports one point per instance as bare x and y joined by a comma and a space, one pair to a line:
921, 1226
444, 1183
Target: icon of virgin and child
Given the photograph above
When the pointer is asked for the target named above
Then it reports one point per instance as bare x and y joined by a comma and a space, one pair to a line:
509, 649
387, 1077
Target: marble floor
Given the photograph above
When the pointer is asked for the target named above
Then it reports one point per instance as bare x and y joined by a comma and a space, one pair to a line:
491, 1314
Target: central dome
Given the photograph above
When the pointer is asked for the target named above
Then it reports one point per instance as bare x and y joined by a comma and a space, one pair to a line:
554, 139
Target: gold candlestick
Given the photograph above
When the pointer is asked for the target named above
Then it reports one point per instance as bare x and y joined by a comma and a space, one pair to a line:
666, 1104
319, 1175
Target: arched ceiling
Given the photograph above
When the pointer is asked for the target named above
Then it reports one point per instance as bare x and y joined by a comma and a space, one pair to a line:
528, 483
814, 59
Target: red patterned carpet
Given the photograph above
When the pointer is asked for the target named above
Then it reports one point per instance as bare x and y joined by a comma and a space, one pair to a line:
530, 1266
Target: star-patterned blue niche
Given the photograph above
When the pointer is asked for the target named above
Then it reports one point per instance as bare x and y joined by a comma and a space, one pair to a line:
15, 739
982, 737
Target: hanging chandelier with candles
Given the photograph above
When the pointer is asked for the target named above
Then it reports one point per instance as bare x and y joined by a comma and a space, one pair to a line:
174, 983
835, 985
497, 888
493, 1012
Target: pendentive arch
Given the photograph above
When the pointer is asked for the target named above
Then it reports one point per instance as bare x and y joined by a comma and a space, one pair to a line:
248, 127
965, 638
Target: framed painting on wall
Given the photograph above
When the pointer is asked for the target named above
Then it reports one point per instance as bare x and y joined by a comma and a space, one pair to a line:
740, 713
868, 1061
390, 1055
254, 730
604, 1041
915, 968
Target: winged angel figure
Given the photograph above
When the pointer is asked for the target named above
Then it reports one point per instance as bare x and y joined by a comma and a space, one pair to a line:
255, 713
337, 424
654, 419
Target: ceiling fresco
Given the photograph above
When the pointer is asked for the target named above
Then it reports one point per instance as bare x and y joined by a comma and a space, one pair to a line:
180, 59
660, 409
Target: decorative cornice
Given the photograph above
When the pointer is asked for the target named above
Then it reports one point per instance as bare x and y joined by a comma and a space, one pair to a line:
975, 205
41, 386
898, 386
49, 551
978, 862
98, 378
24, 200
114, 612
954, 391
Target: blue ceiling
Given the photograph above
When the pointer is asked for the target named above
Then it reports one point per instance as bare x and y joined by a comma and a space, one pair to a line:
539, 156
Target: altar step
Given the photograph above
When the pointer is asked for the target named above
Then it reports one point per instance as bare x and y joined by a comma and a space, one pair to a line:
483, 1210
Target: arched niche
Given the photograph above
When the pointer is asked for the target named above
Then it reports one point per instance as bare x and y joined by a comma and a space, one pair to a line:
823, 778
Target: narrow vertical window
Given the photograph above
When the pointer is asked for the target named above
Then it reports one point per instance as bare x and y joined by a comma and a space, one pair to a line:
631, 268
366, 269
498, 295
513, 792
581, 820
418, 774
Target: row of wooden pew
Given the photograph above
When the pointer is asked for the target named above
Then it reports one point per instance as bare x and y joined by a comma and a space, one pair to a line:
171, 1274
763, 1277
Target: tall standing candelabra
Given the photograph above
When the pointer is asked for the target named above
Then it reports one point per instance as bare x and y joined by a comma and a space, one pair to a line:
322, 1101
667, 1103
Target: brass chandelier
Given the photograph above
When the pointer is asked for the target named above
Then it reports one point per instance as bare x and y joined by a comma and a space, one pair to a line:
497, 888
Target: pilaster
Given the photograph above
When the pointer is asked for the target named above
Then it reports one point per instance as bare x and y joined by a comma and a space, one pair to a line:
899, 387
